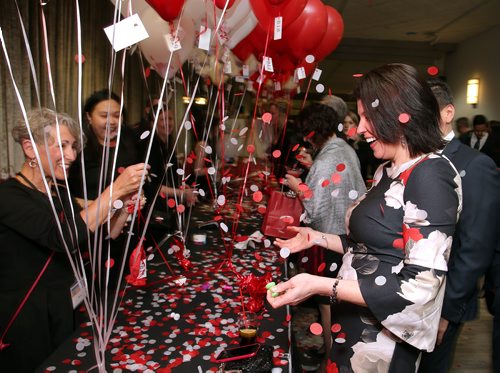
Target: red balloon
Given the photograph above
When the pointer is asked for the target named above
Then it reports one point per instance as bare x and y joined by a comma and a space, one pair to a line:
258, 38
243, 49
307, 31
267, 10
222, 3
332, 37
168, 10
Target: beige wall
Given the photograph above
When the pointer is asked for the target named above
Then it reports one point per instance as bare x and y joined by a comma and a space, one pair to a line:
478, 57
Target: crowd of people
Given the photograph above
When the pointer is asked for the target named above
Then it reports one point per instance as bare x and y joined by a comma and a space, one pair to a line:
403, 259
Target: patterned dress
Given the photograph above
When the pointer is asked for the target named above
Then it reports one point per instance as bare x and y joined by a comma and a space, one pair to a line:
397, 249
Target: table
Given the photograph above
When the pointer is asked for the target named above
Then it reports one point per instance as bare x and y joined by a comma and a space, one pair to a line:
167, 327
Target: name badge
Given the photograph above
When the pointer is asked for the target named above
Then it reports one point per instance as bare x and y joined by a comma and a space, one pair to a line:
77, 294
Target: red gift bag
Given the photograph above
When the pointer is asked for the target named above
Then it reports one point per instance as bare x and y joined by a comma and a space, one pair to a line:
283, 210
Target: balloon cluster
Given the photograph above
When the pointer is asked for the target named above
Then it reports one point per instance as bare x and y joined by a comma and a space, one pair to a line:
246, 28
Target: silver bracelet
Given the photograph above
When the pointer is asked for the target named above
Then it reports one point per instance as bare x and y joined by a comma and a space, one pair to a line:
323, 237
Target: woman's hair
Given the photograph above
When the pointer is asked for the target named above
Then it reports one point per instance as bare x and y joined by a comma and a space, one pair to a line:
39, 120
99, 96
353, 116
323, 121
391, 90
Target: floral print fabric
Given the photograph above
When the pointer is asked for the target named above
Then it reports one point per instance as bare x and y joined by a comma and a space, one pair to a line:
398, 244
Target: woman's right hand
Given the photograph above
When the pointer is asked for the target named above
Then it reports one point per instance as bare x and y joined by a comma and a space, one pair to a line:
303, 240
304, 158
129, 180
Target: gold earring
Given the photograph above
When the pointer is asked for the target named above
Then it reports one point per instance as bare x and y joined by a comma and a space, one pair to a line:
32, 163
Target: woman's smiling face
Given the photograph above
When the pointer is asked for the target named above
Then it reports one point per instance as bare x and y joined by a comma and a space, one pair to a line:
98, 119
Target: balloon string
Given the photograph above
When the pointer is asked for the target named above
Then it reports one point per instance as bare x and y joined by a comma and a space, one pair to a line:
25, 299
307, 91
252, 134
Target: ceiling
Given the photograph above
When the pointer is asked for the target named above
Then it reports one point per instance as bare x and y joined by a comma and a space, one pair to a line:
417, 32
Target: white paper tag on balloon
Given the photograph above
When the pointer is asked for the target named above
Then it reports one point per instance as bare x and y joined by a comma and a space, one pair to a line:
227, 68
278, 27
125, 33
246, 71
268, 64
277, 86
204, 40
317, 74
301, 73
173, 42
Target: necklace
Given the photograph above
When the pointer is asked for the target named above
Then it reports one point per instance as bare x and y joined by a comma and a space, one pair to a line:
33, 186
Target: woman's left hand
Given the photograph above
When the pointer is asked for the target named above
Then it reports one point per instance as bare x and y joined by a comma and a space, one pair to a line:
294, 291
293, 182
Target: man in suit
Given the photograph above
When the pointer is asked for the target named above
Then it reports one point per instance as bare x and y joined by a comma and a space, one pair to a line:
480, 138
474, 240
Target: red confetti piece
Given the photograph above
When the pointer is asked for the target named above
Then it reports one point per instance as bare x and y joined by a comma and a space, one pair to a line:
351, 131
316, 328
218, 218
121, 169
336, 328
181, 208
257, 196
79, 58
171, 203
325, 183
321, 267
189, 160
287, 219
404, 118
303, 187
308, 194
266, 117
109, 263
336, 178
147, 72
163, 195
310, 134
277, 153
357, 75
432, 70
340, 167
288, 318
398, 243
295, 147
250, 148
261, 209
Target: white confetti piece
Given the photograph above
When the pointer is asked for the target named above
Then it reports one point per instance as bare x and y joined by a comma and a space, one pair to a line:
118, 204
320, 88
188, 125
353, 194
375, 103
285, 252
143, 135
310, 58
380, 280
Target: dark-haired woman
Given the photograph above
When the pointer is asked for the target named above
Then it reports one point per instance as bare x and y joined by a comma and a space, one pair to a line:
334, 181
104, 125
389, 292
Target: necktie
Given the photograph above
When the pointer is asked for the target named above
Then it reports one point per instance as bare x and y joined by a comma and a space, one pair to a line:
476, 145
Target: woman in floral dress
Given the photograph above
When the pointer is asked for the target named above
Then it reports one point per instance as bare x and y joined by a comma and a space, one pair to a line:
391, 285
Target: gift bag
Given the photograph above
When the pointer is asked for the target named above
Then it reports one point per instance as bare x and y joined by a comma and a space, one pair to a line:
283, 210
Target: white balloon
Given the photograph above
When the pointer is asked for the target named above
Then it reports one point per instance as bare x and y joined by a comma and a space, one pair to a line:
155, 48
239, 32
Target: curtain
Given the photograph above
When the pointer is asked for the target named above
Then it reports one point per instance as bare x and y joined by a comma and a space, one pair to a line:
61, 23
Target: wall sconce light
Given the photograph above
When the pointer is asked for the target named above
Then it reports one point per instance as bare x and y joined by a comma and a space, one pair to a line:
473, 92
200, 101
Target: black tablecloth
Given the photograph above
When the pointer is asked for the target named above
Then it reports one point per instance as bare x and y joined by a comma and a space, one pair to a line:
165, 326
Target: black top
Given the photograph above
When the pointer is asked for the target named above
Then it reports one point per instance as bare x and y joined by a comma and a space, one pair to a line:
29, 235
93, 154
